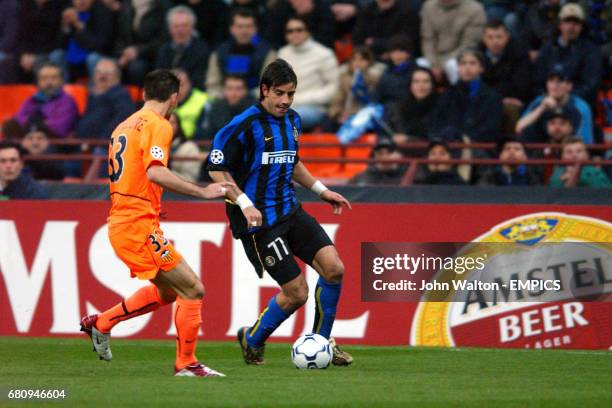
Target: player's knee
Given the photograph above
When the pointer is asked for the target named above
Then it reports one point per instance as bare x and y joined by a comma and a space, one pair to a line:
334, 272
196, 291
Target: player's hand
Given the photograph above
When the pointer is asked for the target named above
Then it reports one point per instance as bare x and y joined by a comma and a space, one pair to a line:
253, 217
215, 190
336, 200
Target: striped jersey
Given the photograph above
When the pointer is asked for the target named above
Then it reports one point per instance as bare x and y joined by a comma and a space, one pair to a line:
260, 151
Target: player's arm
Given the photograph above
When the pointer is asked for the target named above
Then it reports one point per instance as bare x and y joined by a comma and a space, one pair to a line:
302, 176
163, 176
252, 214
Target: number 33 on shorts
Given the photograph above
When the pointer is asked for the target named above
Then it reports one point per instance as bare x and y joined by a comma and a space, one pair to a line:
161, 251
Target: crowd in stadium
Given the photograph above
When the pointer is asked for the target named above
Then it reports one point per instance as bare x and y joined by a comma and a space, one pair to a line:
439, 72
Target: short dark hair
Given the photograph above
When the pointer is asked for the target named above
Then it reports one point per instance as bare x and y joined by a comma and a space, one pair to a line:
365, 52
160, 84
244, 13
236, 77
301, 19
47, 64
495, 23
501, 143
276, 73
10, 144
400, 42
473, 52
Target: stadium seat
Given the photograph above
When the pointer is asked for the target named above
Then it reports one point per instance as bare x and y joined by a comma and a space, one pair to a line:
321, 169
79, 93
12, 97
135, 92
348, 170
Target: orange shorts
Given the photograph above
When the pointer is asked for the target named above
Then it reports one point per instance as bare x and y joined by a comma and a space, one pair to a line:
143, 248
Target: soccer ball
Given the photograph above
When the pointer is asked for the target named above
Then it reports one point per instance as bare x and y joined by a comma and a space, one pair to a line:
311, 351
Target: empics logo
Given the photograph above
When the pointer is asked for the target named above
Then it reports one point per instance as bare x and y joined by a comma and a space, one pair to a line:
280, 157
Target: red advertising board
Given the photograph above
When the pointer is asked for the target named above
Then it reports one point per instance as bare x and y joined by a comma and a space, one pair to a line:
56, 264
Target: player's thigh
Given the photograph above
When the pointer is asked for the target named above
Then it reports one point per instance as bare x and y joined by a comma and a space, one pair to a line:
307, 237
269, 251
182, 280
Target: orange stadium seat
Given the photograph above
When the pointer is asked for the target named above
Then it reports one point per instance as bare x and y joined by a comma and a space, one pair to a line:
135, 92
321, 169
79, 93
12, 97
348, 170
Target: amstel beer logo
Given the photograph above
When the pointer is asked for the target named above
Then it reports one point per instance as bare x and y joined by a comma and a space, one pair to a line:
573, 251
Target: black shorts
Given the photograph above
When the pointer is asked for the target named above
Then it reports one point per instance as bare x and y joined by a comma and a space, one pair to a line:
272, 249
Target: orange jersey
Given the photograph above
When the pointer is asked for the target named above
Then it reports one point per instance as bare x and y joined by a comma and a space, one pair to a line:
140, 141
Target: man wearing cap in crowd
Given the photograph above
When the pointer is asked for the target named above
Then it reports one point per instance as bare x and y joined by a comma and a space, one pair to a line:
382, 172
580, 57
532, 125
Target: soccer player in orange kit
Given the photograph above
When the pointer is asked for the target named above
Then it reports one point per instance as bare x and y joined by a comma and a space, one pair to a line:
138, 172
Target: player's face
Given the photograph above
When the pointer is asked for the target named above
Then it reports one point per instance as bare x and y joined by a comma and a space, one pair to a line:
421, 85
496, 39
575, 151
278, 99
558, 128
10, 165
469, 68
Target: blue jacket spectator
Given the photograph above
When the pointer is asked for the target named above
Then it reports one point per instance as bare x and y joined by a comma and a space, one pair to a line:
394, 84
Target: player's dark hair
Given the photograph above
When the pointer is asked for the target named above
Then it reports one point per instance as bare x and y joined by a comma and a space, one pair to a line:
160, 84
278, 72
10, 144
244, 13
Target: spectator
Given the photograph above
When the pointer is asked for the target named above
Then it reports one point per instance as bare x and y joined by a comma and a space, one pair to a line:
395, 81
469, 107
181, 146
439, 173
580, 58
559, 87
258, 7
539, 26
317, 72
236, 98
191, 108
410, 119
559, 125
184, 50
503, 11
36, 143
345, 15
15, 183
382, 172
382, 19
108, 103
86, 34
516, 173
243, 54
10, 11
141, 30
39, 28
600, 30
54, 106
447, 28
506, 70
358, 80
316, 13
212, 18
577, 175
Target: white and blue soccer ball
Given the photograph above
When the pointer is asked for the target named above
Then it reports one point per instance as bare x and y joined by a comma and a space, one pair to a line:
311, 351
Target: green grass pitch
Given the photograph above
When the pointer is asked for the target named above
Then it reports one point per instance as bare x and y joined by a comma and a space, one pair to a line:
141, 376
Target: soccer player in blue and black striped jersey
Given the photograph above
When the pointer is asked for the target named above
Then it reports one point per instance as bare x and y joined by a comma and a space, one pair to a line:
258, 151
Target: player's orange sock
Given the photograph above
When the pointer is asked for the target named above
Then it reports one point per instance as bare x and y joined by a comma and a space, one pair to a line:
143, 301
188, 318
